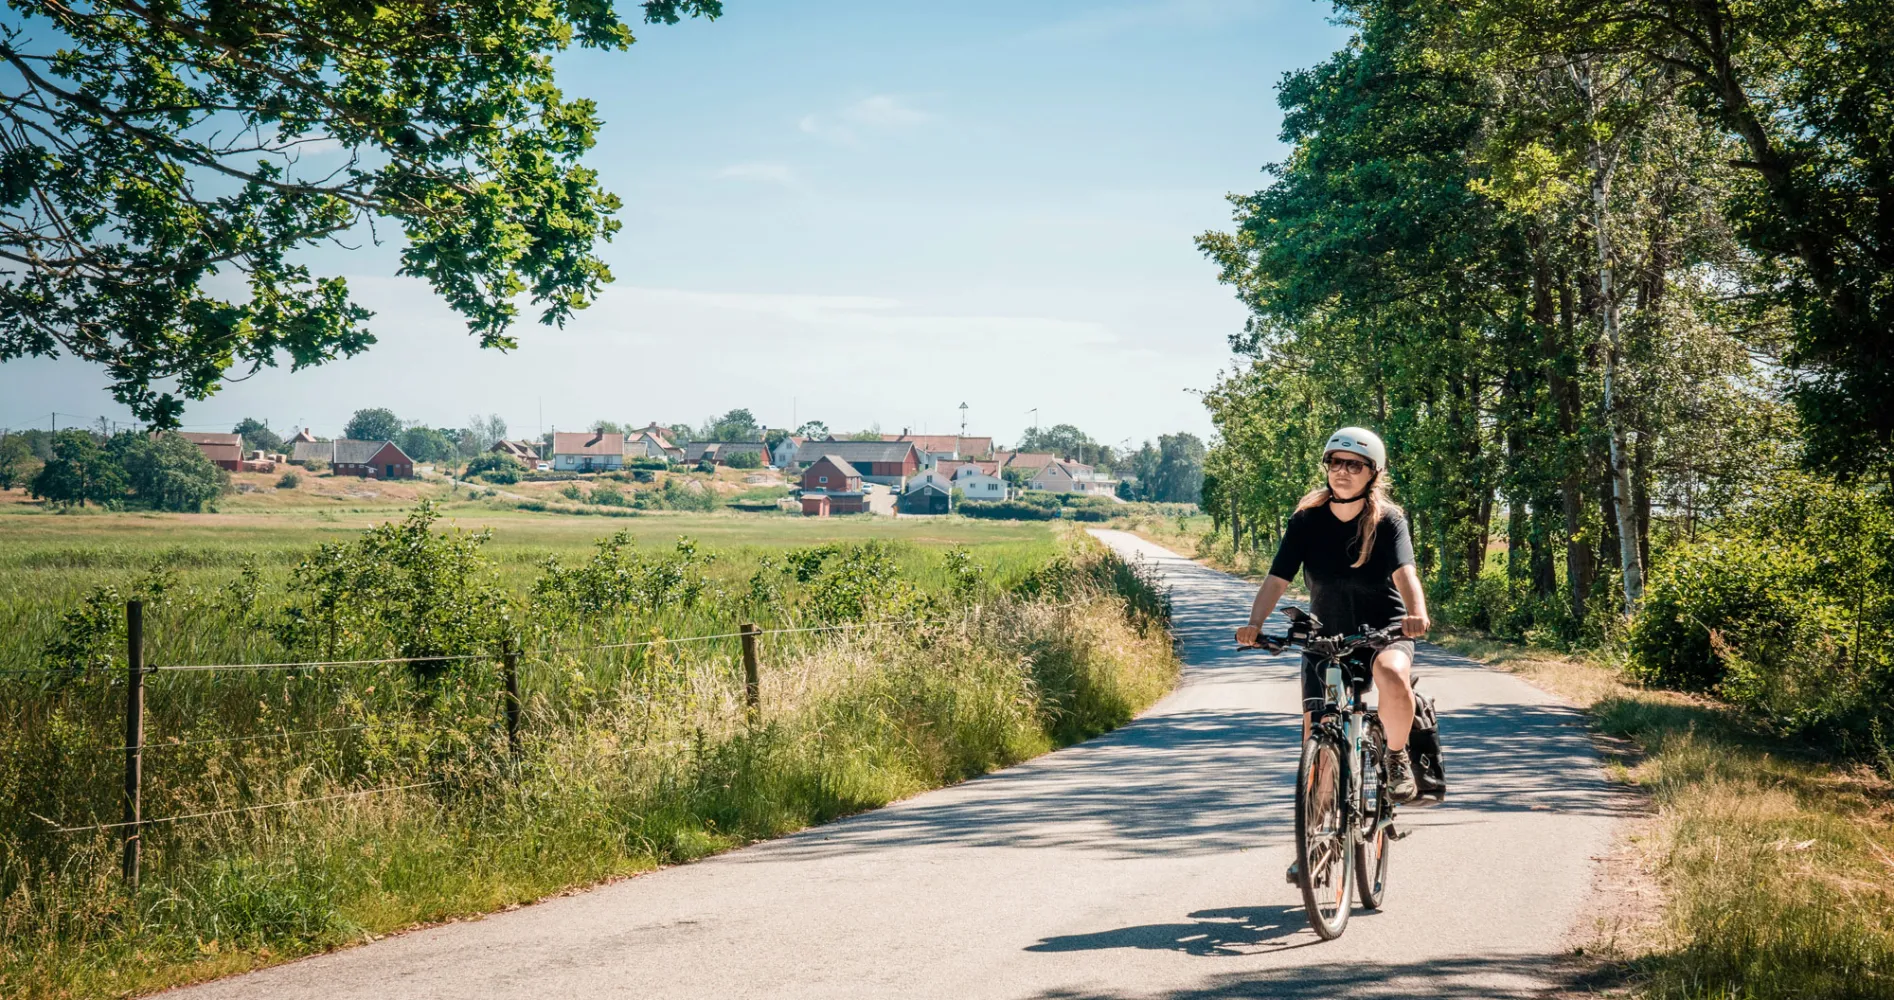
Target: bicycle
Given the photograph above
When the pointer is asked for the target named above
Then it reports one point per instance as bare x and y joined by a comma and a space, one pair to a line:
1341, 817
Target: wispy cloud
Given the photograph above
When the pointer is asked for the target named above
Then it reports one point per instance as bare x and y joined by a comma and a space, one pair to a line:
878, 113
781, 174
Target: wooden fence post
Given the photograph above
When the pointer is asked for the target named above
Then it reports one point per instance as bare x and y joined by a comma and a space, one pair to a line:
752, 688
134, 736
511, 668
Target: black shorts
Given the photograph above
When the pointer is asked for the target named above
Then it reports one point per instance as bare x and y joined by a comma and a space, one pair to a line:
1357, 670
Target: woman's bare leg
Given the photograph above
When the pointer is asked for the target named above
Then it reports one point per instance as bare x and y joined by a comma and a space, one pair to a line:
1394, 695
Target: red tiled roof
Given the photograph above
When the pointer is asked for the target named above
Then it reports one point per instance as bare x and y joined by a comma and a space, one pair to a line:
588, 443
946, 443
1031, 460
199, 438
948, 466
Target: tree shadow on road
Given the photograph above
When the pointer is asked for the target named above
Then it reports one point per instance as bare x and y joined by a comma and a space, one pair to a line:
1230, 931
1460, 977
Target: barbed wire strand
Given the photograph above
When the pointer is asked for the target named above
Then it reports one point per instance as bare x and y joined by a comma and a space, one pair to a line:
171, 667
162, 744
241, 809
640, 748
183, 667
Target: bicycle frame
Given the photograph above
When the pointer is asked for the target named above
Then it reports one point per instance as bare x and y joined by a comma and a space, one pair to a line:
1344, 718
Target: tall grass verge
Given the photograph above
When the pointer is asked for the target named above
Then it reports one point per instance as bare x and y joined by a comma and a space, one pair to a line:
632, 758
1777, 864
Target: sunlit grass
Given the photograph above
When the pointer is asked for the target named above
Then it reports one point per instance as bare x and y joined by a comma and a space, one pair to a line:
633, 757
1778, 865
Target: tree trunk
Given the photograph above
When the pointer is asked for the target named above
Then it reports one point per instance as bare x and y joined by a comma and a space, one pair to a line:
1600, 183
1641, 494
1236, 524
1571, 492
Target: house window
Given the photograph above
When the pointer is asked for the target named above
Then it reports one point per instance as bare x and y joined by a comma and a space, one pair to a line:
822, 479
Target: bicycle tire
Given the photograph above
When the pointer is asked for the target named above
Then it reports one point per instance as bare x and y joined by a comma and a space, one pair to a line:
1371, 854
1325, 838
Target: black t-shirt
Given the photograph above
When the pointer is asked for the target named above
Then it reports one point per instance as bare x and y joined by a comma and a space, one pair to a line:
1343, 597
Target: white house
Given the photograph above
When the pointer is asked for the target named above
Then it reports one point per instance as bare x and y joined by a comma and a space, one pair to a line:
976, 483
928, 477
587, 451
648, 444
1072, 477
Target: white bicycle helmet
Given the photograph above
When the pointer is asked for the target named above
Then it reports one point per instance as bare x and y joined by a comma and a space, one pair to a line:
1359, 441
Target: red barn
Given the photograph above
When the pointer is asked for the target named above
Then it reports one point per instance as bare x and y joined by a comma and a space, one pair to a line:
889, 463
832, 486
371, 460
225, 451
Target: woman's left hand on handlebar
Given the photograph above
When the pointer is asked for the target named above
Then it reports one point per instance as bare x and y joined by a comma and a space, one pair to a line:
1415, 626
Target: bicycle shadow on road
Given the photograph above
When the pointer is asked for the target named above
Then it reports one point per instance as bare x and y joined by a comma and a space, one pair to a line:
1226, 932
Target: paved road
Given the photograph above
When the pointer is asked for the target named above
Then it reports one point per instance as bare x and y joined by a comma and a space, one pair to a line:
1146, 863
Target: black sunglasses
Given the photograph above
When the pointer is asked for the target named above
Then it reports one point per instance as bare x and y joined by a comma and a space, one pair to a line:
1352, 466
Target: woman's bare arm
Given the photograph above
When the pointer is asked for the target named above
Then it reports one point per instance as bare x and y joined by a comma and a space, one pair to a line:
1266, 597
1415, 625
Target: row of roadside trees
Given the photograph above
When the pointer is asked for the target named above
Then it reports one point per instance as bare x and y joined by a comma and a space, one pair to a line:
1615, 281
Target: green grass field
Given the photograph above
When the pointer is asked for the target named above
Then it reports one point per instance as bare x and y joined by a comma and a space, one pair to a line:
963, 646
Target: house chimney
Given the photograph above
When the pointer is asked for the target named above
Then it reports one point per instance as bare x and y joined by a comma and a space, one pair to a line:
904, 432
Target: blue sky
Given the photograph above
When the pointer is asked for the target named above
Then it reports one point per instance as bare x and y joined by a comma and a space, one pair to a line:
862, 213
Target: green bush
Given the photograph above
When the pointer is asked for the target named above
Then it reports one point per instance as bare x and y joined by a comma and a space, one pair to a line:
1786, 613
657, 464
607, 495
1704, 597
644, 475
495, 467
289, 481
1007, 510
745, 460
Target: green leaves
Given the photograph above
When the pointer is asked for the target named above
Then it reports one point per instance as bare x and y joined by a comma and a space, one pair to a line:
151, 156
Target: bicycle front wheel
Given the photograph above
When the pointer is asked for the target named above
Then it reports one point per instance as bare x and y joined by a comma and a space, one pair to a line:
1371, 848
1325, 837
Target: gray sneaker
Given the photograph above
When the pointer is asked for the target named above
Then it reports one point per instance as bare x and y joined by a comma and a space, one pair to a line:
1401, 786
1294, 874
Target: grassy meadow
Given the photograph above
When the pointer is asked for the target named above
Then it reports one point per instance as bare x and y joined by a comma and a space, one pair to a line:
943, 648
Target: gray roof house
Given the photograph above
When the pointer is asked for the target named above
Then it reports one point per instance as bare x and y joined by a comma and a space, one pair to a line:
305, 452
886, 462
720, 451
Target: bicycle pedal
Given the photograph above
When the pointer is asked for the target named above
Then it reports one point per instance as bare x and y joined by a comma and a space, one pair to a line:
1396, 833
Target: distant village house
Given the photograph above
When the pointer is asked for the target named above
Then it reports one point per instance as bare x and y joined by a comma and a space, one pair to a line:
587, 451
830, 485
888, 463
525, 452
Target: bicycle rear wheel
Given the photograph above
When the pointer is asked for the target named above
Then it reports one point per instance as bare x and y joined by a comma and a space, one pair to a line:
1325, 837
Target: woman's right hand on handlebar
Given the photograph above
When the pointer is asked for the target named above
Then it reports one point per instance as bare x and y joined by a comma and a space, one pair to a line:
1249, 636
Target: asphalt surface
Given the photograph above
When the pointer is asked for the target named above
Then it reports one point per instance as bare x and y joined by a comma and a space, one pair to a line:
1145, 863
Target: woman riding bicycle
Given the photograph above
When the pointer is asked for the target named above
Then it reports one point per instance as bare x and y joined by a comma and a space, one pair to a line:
1352, 544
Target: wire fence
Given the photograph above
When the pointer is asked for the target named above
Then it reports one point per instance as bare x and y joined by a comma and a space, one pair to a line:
136, 670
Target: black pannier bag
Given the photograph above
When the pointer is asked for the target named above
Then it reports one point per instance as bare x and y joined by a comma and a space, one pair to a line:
1423, 750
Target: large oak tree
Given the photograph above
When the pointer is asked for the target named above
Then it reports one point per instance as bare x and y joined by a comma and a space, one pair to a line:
159, 176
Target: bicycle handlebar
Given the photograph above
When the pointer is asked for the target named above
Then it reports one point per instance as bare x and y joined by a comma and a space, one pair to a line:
1341, 644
